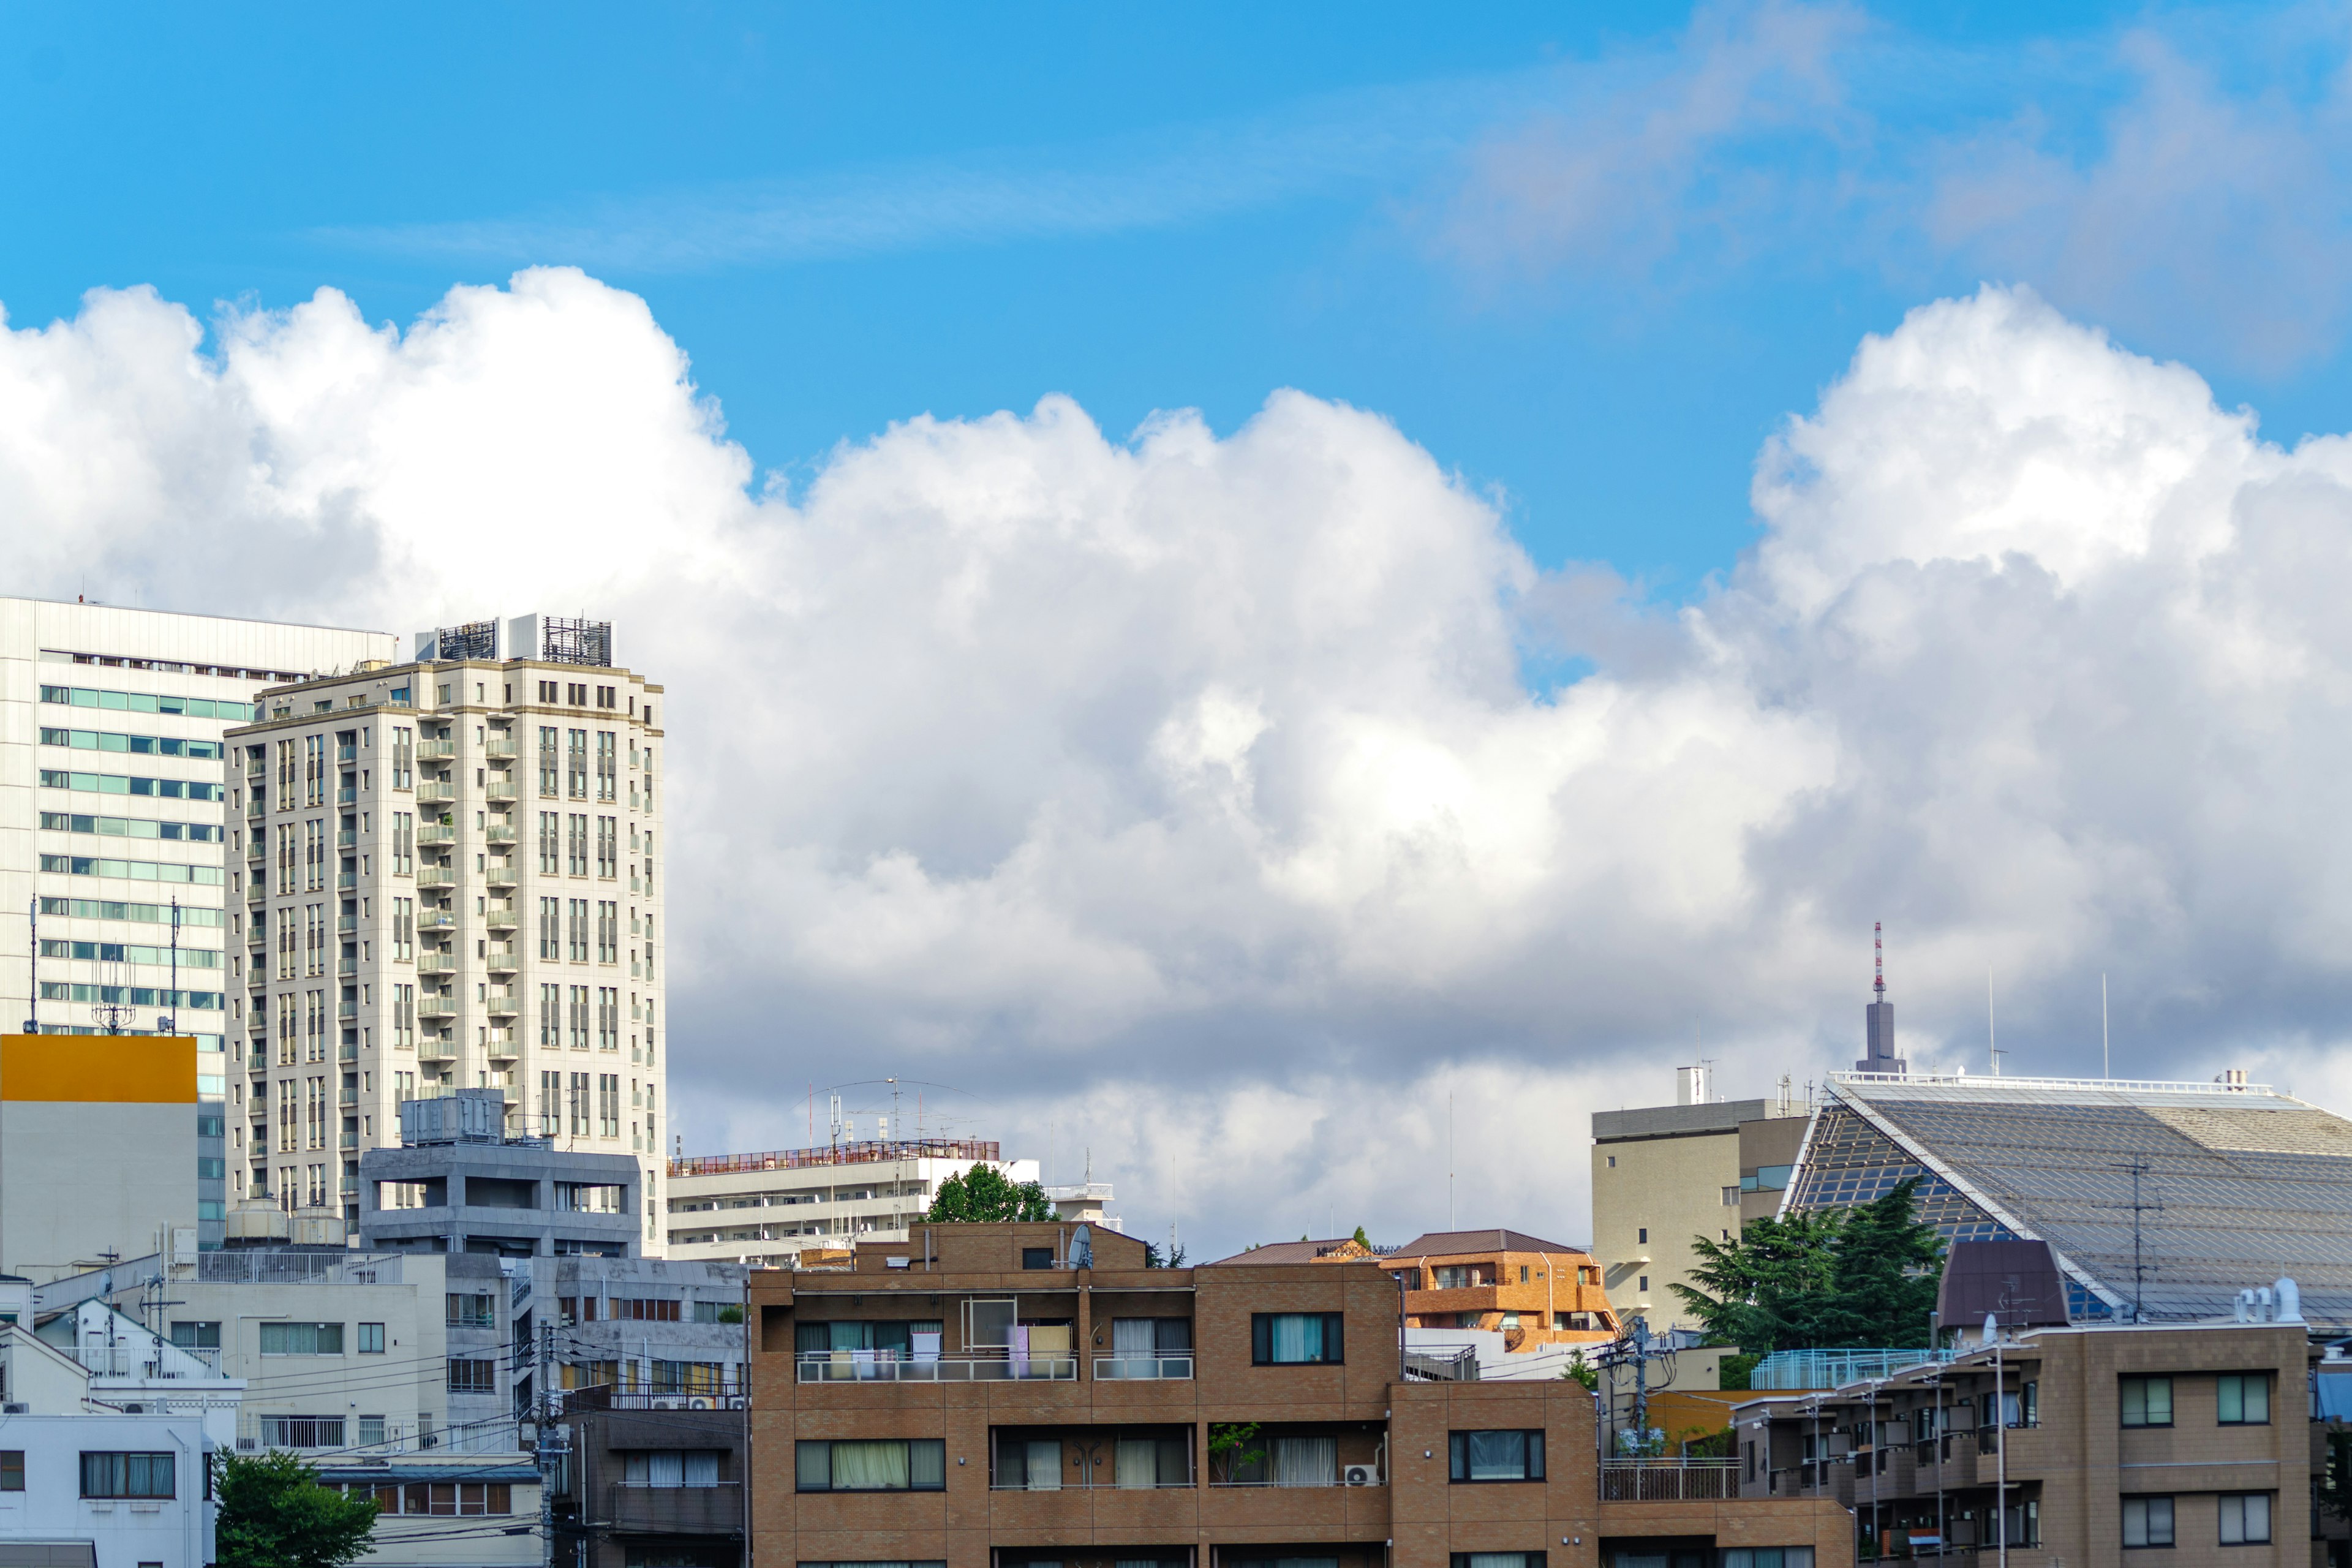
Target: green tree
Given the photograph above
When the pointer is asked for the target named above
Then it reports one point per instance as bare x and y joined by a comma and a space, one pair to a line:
2336, 1486
274, 1514
1865, 1276
1154, 1259
1362, 1240
1233, 1445
1581, 1370
985, 1194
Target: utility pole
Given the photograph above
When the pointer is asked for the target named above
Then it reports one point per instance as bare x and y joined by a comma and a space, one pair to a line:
553, 1439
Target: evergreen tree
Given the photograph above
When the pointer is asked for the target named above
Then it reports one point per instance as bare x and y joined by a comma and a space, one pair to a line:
1865, 1276
274, 1514
985, 1194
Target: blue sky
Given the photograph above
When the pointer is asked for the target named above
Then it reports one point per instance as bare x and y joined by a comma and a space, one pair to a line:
848, 217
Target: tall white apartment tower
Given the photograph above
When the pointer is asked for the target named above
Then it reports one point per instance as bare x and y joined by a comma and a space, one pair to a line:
111, 824
449, 881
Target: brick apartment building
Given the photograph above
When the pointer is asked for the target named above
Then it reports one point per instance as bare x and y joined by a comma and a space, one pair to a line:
975, 1397
1535, 1293
2115, 1441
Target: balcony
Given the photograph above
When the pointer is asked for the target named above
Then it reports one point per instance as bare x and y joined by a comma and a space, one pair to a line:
674, 1511
436, 792
431, 751
347, 1010
502, 1002
437, 1006
346, 881
347, 967
501, 792
501, 874
431, 962
347, 923
498, 746
1669, 1480
501, 917
436, 833
501, 834
436, 1050
1143, 1368
347, 837
436, 920
882, 1366
502, 958
436, 877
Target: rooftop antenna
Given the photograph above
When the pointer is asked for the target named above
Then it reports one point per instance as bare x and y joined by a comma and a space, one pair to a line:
33, 1005
1993, 1040
1878, 961
1449, 1159
2138, 1168
2103, 1071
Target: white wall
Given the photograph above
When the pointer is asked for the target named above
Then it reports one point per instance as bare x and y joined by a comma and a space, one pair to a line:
177, 1533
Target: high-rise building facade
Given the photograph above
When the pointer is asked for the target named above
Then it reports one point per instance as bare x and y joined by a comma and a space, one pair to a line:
112, 836
446, 875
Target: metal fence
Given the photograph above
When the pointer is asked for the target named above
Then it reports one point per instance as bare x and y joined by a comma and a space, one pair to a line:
1786, 1370
1669, 1480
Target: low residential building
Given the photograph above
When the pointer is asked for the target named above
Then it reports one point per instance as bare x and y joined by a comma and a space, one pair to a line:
440, 1510
765, 1210
2091, 1442
670, 1331
994, 1395
137, 1369
1665, 1176
86, 1486
651, 1482
457, 1183
1544, 1298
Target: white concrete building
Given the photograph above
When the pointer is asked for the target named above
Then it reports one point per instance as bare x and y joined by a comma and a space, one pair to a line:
137, 1370
111, 811
63, 1097
766, 1209
438, 1511
449, 875
92, 1487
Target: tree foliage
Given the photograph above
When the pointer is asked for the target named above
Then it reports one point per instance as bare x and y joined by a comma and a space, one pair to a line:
984, 1195
1155, 1259
274, 1514
1865, 1276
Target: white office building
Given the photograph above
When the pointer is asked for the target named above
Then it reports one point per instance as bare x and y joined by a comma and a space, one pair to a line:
445, 876
766, 1209
111, 724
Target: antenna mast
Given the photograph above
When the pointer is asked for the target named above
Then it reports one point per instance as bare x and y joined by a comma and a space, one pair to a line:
1878, 960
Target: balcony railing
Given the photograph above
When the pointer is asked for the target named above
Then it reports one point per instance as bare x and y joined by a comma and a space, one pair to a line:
881, 1366
1668, 1480
142, 1361
674, 1509
1143, 1368
431, 792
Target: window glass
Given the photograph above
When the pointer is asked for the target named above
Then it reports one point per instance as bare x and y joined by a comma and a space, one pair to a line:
2242, 1399
302, 1338
886, 1465
371, 1339
1499, 1456
197, 1336
2146, 1401
126, 1475
1295, 1339
2147, 1521
1768, 1557
12, 1469
2245, 1518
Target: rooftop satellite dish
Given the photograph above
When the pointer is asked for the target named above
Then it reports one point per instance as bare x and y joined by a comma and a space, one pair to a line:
1082, 1249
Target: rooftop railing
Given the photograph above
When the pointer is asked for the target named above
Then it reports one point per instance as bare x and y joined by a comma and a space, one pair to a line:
866, 1151
882, 1366
1669, 1480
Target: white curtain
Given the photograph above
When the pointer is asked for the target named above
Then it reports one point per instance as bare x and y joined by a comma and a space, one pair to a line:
926, 1345
1138, 1462
1133, 1336
702, 1468
1044, 1465
665, 1469
1306, 1461
1297, 1337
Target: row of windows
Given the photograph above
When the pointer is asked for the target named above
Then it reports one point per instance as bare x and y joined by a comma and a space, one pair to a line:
2241, 1399
128, 953
119, 909
2245, 1520
148, 702
134, 745
121, 784
131, 995
133, 870
130, 827
441, 1499
1143, 1460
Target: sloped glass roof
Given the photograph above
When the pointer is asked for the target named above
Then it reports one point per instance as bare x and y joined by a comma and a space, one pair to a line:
2237, 1185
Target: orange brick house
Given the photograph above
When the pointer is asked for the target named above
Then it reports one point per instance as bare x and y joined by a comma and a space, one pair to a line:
1536, 1293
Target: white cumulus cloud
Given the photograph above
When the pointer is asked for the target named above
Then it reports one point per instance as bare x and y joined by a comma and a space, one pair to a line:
1179, 796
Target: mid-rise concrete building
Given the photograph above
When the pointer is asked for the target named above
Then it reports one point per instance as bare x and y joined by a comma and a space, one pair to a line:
449, 875
457, 1183
764, 1210
1666, 1176
64, 1098
111, 829
987, 1396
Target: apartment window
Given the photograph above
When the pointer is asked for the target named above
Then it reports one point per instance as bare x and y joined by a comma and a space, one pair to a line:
314, 854
608, 1105
1536, 1559
404, 757
470, 1309
608, 1018
608, 933
302, 1338
371, 1430
2245, 1518
1504, 1455
580, 1018
404, 1017
576, 764
643, 1309
191, 1336
473, 1374
1734, 1557
1642, 1236
2148, 1401
887, 1465
2147, 1521
370, 1342
303, 1431
608, 765
127, 1474
1295, 1339
2244, 1398
579, 1105
551, 1016
550, 927
1731, 1197
551, 1096
546, 756
286, 856
404, 843
548, 836
12, 1469
404, 928
575, 845
576, 931
314, 770
670, 1467
608, 848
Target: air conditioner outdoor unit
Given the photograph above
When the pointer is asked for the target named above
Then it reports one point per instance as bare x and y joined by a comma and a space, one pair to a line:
700, 1404
1361, 1476
13, 1408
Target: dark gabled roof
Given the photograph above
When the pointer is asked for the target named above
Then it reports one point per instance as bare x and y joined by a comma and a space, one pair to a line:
1463, 1243
1287, 1252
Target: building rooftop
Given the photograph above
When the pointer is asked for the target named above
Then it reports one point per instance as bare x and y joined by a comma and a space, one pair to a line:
1465, 1243
2214, 1187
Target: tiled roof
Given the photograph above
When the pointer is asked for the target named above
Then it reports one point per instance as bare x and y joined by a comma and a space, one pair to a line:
1463, 1243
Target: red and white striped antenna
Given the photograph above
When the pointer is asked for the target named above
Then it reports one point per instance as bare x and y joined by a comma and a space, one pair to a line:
1878, 958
